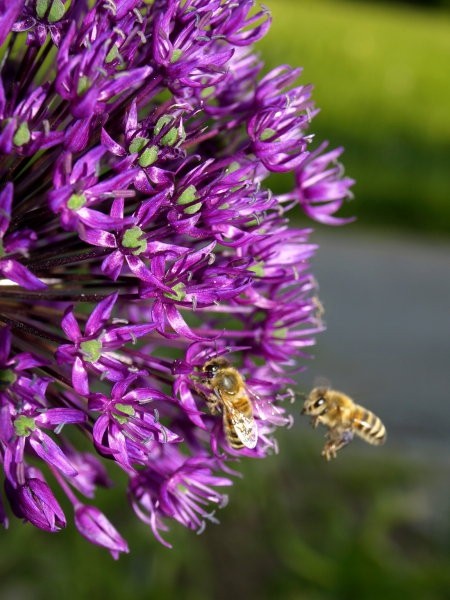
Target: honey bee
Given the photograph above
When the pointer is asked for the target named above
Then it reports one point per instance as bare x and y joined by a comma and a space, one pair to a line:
344, 418
229, 396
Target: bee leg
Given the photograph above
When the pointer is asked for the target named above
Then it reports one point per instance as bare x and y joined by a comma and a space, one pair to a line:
213, 403
315, 421
335, 441
329, 450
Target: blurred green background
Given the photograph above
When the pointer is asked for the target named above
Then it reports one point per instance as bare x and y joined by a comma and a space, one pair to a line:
381, 79
375, 523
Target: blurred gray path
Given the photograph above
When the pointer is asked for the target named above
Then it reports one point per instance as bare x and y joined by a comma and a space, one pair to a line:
387, 344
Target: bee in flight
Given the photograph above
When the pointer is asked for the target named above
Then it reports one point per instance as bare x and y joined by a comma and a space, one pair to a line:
228, 395
343, 418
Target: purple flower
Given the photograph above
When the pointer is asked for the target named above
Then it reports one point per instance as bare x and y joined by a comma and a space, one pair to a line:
128, 428
16, 243
321, 188
34, 501
138, 239
180, 489
95, 527
93, 350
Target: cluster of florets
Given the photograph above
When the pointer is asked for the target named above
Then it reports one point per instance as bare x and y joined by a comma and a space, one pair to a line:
137, 240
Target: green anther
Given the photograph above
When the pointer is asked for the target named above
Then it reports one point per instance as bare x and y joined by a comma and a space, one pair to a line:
148, 157
122, 420
234, 166
224, 206
41, 8
176, 55
2, 250
83, 85
56, 12
281, 333
24, 426
258, 269
112, 54
267, 133
162, 121
207, 91
138, 144
127, 410
76, 201
170, 138
187, 197
22, 135
134, 239
7, 377
92, 350
178, 292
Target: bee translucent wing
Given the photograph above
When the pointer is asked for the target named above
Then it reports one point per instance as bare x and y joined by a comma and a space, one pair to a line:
321, 382
244, 426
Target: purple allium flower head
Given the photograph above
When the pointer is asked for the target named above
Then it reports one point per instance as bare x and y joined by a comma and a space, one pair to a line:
138, 240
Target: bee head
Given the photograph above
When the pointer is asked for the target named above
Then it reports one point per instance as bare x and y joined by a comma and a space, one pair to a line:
213, 366
316, 403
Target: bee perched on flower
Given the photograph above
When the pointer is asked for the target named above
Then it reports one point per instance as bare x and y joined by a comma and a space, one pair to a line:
138, 241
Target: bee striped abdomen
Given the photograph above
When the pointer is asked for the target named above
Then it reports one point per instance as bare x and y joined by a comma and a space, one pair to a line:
241, 408
230, 432
369, 427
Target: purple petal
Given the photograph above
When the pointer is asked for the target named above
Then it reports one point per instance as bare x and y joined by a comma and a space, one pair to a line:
142, 272
80, 378
98, 237
125, 81
26, 361
52, 454
35, 502
111, 145
76, 137
7, 135
100, 315
15, 271
121, 335
179, 325
70, 326
5, 345
56, 416
9, 11
112, 265
6, 197
182, 390
95, 527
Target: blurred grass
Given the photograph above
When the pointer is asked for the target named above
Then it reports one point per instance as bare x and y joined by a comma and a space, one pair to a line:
380, 74
296, 528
